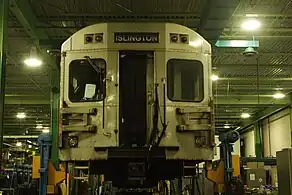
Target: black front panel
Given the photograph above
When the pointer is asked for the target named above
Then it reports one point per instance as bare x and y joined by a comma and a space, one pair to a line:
132, 87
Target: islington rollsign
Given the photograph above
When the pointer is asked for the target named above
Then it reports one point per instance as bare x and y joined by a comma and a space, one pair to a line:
130, 37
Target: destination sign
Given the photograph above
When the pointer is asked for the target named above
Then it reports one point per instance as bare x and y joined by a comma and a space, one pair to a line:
128, 37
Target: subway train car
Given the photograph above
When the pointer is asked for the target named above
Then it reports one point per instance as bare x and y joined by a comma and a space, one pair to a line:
136, 101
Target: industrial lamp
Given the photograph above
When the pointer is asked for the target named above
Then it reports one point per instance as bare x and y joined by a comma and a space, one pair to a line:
46, 130
245, 115
251, 24
21, 115
279, 95
33, 60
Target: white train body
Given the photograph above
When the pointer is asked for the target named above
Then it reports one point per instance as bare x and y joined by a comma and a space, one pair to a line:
109, 76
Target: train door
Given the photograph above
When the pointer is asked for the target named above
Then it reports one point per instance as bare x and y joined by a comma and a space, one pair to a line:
133, 98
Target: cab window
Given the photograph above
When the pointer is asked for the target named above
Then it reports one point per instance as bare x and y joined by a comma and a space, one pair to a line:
86, 80
185, 81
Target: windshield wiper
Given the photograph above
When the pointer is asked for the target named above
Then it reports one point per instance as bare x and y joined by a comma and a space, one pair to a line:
92, 64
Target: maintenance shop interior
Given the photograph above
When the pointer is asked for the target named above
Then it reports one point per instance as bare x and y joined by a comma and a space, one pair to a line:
153, 97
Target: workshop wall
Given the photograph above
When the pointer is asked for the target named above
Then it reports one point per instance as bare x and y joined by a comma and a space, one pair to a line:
249, 142
277, 132
276, 135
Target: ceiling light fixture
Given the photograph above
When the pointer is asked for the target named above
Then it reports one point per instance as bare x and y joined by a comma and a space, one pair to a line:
214, 77
279, 95
20, 115
251, 24
46, 130
18, 144
251, 15
245, 115
226, 126
39, 126
33, 60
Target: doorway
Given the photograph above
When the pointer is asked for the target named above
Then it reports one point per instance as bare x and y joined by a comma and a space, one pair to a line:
133, 98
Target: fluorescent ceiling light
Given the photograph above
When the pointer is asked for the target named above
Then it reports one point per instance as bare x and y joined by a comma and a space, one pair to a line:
279, 95
29, 146
226, 126
46, 130
39, 126
251, 15
245, 115
18, 144
251, 24
33, 62
21, 115
214, 77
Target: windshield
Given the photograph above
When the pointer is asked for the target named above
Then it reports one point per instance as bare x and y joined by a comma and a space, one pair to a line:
86, 80
185, 80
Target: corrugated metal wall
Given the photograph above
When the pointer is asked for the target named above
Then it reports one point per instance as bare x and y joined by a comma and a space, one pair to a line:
276, 134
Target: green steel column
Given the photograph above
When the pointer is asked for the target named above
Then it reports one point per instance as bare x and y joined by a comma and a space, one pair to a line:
55, 98
3, 42
258, 140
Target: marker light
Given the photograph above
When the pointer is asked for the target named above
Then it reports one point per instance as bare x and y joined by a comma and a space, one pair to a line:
21, 115
245, 115
214, 77
251, 24
33, 62
279, 95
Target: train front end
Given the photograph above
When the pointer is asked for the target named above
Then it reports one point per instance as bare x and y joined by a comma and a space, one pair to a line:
136, 101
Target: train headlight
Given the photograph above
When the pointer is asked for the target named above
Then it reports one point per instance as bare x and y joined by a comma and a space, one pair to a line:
88, 38
173, 37
184, 39
99, 37
73, 141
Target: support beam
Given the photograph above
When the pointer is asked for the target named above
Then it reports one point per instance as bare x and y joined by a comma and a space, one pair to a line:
228, 66
258, 140
208, 5
55, 96
250, 78
20, 136
260, 115
108, 16
242, 100
260, 54
219, 10
4, 6
19, 101
283, 37
22, 10
260, 31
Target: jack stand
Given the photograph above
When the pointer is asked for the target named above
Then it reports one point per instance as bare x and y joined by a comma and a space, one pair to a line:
45, 143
